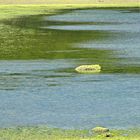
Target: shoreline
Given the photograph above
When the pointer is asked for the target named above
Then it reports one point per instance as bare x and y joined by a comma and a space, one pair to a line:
111, 5
46, 133
51, 9
73, 2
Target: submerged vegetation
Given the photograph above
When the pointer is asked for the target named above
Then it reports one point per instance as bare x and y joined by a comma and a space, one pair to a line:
23, 39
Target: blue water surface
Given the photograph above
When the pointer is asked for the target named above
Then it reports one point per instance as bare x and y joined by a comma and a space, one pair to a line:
50, 92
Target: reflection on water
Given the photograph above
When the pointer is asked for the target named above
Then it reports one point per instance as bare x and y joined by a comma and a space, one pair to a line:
47, 90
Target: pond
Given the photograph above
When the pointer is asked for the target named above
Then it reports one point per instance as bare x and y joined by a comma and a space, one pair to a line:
39, 86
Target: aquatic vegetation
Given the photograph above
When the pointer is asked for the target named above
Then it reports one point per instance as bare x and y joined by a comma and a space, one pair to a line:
22, 38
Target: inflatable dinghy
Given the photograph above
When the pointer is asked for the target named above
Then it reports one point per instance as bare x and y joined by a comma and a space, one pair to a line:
88, 69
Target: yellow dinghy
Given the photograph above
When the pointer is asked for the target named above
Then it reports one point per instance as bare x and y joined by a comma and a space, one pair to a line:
88, 69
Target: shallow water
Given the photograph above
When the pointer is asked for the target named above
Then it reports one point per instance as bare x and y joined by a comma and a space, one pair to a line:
47, 90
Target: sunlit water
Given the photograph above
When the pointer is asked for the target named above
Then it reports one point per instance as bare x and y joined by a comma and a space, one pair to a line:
49, 92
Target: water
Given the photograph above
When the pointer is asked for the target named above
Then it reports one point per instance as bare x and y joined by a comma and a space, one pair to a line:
47, 91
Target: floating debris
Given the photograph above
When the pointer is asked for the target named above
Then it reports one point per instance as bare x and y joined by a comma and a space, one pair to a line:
88, 69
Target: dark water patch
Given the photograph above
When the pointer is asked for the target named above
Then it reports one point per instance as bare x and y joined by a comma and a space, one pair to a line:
53, 85
131, 10
55, 76
13, 74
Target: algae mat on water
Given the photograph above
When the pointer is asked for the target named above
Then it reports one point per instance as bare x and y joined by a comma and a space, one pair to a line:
21, 37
